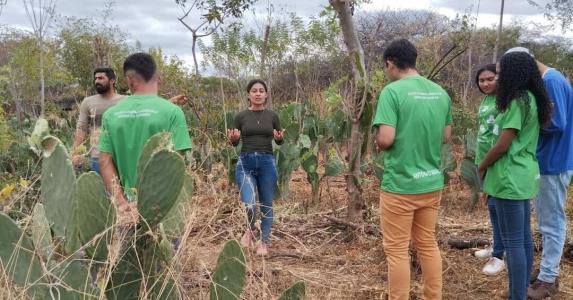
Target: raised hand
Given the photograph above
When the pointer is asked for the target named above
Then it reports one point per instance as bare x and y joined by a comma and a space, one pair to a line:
179, 100
279, 134
233, 135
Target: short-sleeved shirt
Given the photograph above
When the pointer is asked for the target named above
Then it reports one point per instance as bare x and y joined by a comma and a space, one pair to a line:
515, 176
486, 120
89, 119
257, 129
419, 110
128, 125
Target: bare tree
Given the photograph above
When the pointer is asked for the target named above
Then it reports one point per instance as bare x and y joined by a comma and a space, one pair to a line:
212, 16
496, 47
40, 13
2, 4
354, 100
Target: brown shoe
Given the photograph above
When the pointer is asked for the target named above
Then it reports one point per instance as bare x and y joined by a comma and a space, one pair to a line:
541, 290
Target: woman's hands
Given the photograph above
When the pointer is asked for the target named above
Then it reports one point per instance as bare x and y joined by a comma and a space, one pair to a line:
279, 134
233, 135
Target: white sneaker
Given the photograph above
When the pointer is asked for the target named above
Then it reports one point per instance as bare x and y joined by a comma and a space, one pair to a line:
483, 253
493, 266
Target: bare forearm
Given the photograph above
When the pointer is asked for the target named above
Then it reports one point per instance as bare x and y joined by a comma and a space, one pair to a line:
79, 138
491, 157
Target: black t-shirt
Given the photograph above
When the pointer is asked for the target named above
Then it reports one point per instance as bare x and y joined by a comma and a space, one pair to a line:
257, 129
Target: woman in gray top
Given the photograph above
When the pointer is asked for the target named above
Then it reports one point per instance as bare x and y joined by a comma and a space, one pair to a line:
256, 127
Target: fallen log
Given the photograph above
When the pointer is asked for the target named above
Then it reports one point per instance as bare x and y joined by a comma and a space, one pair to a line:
466, 244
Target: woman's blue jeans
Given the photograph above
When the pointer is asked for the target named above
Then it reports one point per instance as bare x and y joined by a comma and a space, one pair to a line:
498, 248
256, 171
514, 221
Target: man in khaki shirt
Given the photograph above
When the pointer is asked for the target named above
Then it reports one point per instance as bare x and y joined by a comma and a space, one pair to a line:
91, 112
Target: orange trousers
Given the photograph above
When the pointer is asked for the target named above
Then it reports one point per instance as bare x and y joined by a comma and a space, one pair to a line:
411, 217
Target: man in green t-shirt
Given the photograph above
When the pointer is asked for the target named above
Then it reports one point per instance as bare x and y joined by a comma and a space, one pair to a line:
127, 126
413, 117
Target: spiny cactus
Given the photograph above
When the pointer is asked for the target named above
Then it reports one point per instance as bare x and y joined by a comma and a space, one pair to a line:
229, 277
174, 222
58, 191
155, 143
296, 292
160, 185
74, 280
41, 129
287, 159
19, 259
41, 235
95, 215
471, 177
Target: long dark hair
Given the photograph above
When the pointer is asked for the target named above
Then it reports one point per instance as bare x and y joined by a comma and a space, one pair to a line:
519, 74
488, 67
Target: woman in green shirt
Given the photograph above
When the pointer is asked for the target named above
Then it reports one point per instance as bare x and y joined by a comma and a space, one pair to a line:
486, 81
512, 176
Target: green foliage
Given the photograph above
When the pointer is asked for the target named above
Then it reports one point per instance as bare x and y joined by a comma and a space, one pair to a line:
334, 165
41, 235
296, 292
160, 186
471, 177
58, 191
19, 260
174, 222
229, 276
448, 161
288, 160
463, 120
95, 215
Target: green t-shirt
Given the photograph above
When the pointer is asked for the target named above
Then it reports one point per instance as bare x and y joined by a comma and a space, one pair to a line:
127, 126
419, 110
515, 175
486, 121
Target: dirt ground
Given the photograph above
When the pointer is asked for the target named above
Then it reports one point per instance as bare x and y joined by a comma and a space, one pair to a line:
308, 246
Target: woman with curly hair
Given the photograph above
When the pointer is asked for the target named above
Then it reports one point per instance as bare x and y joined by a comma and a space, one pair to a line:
510, 167
486, 81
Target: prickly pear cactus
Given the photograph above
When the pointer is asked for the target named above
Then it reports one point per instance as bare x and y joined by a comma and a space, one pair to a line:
160, 186
449, 163
58, 191
41, 130
174, 222
296, 292
229, 276
157, 142
19, 259
41, 235
470, 175
74, 281
95, 214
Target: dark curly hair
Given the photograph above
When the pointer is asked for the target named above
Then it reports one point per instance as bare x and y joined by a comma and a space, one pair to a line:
518, 74
487, 67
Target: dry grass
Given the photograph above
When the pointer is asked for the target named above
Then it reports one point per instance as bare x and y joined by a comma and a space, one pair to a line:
309, 247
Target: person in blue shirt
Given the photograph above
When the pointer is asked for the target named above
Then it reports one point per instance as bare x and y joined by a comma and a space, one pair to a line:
555, 156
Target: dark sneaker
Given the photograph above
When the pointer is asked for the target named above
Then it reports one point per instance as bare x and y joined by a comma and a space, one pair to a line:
541, 290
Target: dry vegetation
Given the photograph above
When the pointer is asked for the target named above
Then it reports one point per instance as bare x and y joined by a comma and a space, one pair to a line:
309, 246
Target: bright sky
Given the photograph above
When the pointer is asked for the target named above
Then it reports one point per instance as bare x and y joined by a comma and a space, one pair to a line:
154, 22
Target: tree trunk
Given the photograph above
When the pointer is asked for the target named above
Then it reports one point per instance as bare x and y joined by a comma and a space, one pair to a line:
195, 54
498, 36
42, 83
355, 106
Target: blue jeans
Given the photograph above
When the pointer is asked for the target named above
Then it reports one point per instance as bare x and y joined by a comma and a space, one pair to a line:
552, 222
514, 221
498, 248
94, 165
256, 171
